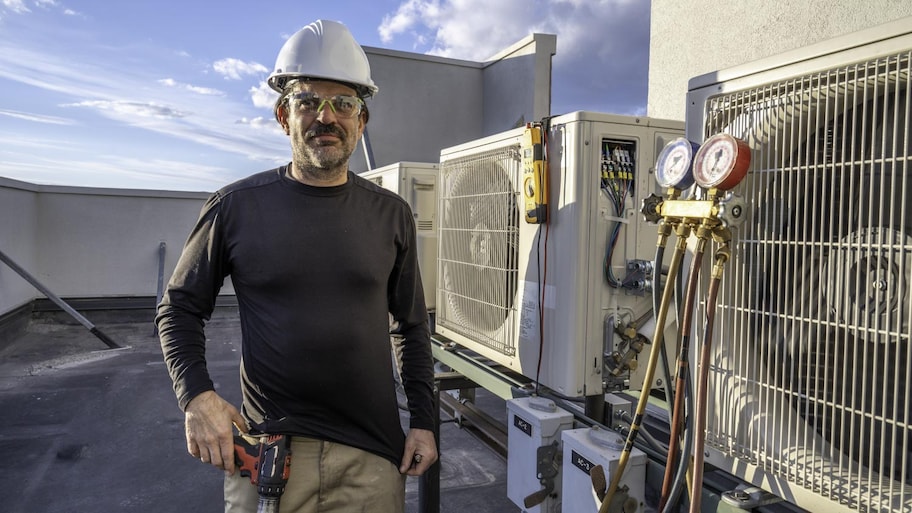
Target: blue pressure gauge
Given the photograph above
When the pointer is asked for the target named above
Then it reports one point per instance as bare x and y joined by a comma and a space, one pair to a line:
674, 167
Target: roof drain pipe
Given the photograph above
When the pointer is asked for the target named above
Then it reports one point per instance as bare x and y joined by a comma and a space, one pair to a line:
59, 302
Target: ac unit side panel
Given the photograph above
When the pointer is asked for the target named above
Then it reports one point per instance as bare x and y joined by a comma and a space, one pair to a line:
416, 182
810, 381
579, 321
386, 177
558, 254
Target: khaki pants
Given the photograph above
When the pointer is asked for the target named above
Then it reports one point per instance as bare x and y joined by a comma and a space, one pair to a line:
327, 477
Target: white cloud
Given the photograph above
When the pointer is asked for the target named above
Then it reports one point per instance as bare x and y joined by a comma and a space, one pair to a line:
108, 170
16, 6
128, 109
263, 96
407, 15
261, 122
463, 29
17, 145
19, 7
602, 45
102, 86
207, 91
97, 82
38, 118
40, 159
235, 69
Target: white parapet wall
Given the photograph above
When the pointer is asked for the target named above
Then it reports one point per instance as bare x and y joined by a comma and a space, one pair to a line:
90, 242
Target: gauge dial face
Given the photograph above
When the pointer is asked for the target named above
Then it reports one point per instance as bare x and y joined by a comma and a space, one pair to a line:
721, 162
674, 165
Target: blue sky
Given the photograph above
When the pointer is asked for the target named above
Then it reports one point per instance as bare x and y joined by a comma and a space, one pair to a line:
171, 94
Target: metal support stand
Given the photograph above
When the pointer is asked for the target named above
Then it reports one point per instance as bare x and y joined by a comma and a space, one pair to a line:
429, 482
57, 301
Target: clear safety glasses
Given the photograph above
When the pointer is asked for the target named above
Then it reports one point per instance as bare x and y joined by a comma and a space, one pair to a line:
342, 105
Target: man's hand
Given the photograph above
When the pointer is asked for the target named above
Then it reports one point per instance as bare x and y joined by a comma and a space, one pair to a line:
208, 422
420, 452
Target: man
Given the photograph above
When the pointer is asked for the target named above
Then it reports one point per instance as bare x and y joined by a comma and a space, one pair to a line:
319, 259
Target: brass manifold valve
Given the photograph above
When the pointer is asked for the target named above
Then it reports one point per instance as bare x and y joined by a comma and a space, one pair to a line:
719, 209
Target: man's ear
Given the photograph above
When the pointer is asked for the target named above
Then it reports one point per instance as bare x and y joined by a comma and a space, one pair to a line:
281, 114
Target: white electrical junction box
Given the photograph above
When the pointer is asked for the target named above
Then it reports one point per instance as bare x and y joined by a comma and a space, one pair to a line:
533, 422
587, 447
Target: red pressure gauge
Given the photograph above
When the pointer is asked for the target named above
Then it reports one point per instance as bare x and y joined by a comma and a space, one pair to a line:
721, 162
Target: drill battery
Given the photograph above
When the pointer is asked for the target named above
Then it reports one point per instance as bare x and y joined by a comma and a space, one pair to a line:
267, 464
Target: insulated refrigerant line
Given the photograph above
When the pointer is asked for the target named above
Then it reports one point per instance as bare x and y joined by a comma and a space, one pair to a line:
683, 230
704, 232
57, 301
723, 253
683, 473
682, 371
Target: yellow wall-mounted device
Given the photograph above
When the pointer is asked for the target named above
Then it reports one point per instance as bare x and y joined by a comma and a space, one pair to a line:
535, 176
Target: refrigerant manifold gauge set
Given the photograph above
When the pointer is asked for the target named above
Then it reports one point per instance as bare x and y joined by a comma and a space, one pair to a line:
717, 166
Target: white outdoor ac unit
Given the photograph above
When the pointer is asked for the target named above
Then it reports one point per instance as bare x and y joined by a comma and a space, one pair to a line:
416, 182
536, 298
810, 389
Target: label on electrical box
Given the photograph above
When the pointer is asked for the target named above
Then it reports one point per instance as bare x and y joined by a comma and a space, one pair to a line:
522, 425
581, 462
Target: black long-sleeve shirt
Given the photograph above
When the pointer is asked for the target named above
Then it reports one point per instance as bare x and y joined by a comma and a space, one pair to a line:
316, 271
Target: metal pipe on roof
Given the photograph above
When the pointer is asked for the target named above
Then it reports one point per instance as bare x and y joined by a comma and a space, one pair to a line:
57, 301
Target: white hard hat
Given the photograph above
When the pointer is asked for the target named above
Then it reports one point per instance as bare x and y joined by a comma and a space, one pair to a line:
323, 50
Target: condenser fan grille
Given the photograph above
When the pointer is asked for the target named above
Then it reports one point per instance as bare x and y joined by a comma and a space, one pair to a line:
811, 374
478, 252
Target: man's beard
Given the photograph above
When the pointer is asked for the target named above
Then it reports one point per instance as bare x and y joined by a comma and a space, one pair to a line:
322, 162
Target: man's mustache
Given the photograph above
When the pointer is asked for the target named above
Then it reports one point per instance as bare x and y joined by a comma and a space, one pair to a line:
326, 130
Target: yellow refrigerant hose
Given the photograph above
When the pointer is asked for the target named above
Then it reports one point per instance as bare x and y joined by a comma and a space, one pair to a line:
683, 230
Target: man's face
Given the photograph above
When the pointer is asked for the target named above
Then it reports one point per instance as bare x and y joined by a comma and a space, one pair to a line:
323, 141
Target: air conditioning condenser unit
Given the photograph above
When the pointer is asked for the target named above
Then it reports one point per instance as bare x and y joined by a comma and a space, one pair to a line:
549, 300
810, 386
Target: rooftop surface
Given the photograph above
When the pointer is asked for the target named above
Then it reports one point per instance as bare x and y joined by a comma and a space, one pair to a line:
93, 429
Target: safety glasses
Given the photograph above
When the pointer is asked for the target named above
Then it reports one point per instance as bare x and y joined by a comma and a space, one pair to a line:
342, 105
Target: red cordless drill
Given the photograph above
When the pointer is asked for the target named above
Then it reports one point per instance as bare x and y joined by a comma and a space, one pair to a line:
267, 464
